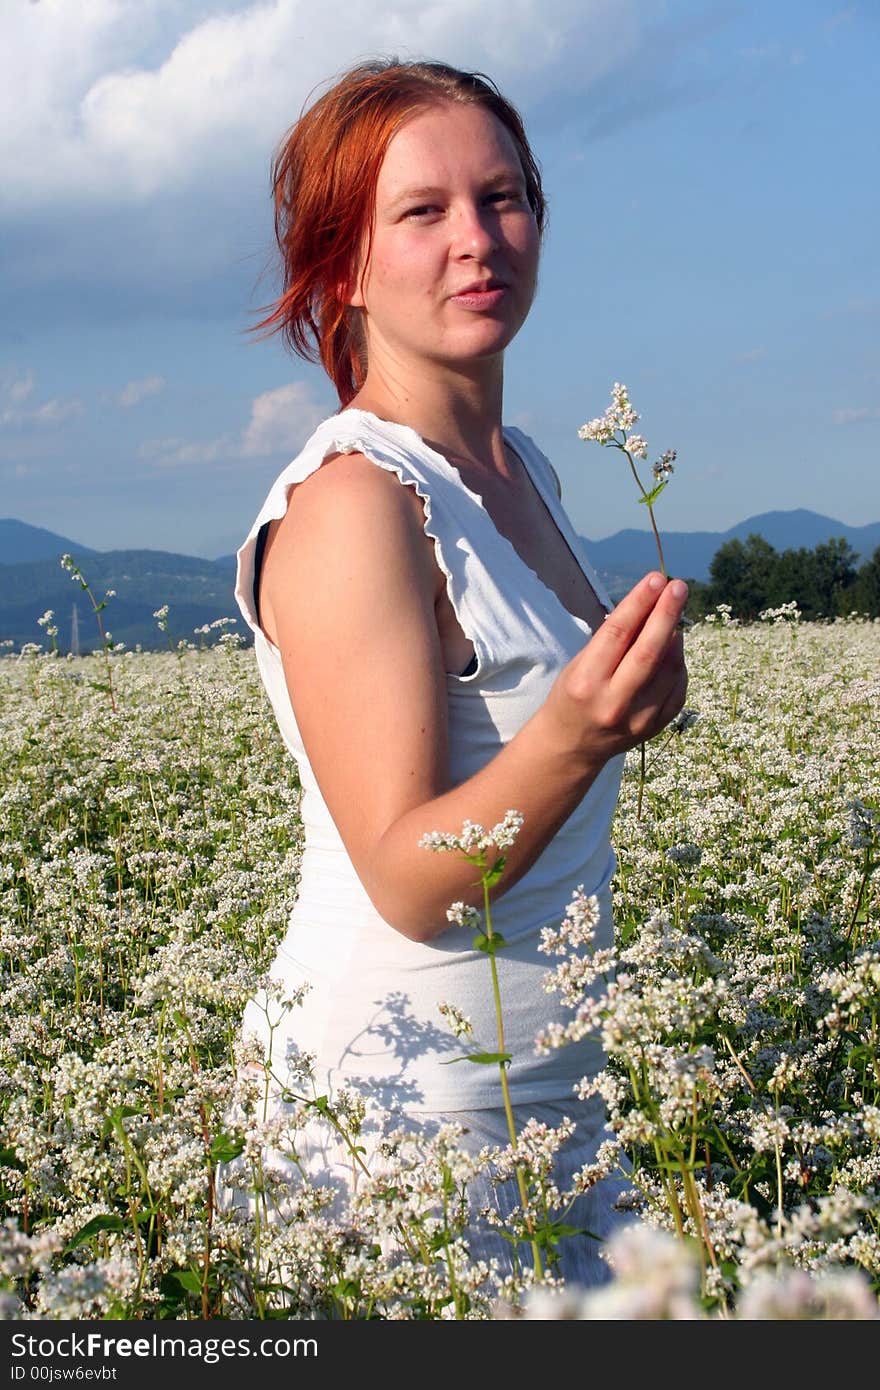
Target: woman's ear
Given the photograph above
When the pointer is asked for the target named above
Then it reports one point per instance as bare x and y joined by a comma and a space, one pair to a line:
352, 294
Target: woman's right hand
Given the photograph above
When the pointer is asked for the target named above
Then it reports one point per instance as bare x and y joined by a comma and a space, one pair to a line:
629, 680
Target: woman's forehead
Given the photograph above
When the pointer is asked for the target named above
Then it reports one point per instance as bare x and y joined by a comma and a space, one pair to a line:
443, 141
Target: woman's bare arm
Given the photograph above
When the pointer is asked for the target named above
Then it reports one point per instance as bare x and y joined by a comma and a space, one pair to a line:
349, 585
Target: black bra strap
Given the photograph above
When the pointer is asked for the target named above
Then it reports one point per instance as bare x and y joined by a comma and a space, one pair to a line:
258, 561
259, 550
471, 666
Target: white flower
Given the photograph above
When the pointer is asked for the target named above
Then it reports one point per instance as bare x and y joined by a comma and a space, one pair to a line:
473, 839
458, 1022
463, 915
795, 1295
663, 468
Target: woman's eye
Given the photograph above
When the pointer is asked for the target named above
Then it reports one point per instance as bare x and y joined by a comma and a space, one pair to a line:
508, 195
424, 211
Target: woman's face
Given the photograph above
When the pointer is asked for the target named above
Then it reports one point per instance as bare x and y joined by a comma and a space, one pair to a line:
454, 260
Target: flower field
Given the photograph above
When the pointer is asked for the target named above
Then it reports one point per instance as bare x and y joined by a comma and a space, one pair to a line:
149, 844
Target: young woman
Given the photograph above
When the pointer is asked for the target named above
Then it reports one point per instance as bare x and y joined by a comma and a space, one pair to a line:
434, 642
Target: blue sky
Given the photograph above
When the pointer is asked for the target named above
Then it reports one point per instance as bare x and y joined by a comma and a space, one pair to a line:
711, 173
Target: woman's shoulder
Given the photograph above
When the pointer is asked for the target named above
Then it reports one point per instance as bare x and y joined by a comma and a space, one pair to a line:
345, 506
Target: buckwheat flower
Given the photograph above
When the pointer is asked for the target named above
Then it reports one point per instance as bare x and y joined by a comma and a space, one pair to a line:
573, 977
440, 840
621, 407
663, 468
870, 1118
638, 445
505, 832
795, 1295
767, 1132
559, 1304
473, 838
785, 613
463, 915
864, 823
600, 429
608, 1160
687, 855
461, 1025
578, 926
657, 1277
855, 988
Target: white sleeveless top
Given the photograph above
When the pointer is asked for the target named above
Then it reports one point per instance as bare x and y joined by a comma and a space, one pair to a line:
370, 1018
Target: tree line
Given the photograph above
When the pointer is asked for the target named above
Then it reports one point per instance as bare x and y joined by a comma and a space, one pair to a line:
752, 576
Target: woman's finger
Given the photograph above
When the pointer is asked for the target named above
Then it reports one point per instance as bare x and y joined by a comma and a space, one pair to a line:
657, 642
610, 643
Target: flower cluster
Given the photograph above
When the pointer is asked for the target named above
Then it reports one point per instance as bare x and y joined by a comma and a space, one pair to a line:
153, 1164
618, 418
473, 838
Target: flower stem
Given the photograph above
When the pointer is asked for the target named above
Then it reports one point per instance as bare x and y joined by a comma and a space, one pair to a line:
650, 509
505, 1089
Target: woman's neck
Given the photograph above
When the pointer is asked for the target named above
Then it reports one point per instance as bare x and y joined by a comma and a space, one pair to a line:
456, 412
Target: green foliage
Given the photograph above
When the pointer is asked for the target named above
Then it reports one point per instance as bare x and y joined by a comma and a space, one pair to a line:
752, 577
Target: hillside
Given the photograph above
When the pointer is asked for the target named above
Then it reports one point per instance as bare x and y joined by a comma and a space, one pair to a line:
624, 557
21, 543
197, 592
200, 591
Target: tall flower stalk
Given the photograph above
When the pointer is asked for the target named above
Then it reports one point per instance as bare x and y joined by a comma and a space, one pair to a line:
475, 845
76, 574
613, 430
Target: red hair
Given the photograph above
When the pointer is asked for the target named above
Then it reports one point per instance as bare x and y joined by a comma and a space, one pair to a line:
324, 181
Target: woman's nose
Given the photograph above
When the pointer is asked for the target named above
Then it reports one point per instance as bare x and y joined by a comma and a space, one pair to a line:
476, 232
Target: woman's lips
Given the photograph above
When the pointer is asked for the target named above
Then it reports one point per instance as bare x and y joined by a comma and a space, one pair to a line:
480, 298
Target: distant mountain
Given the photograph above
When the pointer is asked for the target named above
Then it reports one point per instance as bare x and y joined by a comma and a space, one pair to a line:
201, 591
20, 543
624, 557
197, 592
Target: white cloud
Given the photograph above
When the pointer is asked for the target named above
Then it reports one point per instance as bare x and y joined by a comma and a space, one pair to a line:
136, 391
851, 417
20, 390
753, 355
120, 99
46, 415
854, 306
281, 421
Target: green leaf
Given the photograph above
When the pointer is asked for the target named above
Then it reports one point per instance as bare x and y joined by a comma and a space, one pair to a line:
485, 1058
489, 944
107, 1222
345, 1288
492, 875
651, 497
224, 1148
554, 1231
120, 1113
185, 1279
91, 1228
